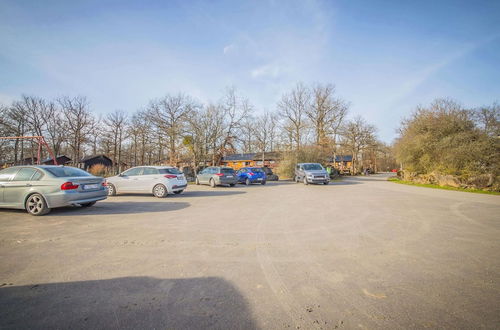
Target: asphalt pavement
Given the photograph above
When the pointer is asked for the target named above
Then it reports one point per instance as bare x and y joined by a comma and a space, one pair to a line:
358, 253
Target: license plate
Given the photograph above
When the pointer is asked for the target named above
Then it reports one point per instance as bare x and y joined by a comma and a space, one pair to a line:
180, 177
229, 176
90, 186
259, 179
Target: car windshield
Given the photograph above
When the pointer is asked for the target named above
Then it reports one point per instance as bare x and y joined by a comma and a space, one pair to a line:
256, 170
64, 172
227, 170
312, 167
171, 170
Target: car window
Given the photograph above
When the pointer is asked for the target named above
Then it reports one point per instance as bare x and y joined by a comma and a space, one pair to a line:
149, 171
298, 167
214, 170
133, 171
172, 170
64, 171
313, 167
37, 176
8, 173
243, 170
227, 170
24, 174
257, 170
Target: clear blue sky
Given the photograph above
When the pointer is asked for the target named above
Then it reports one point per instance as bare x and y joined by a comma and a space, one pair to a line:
385, 57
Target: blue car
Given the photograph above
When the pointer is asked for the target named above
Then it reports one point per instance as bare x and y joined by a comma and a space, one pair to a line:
249, 175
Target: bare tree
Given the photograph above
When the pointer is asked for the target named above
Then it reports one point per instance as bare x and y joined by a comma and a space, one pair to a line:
293, 108
170, 114
265, 133
117, 125
356, 136
78, 122
326, 114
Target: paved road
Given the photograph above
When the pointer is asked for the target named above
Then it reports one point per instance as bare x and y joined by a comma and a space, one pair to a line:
361, 253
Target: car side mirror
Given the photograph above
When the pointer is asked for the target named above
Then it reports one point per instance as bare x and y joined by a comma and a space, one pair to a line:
121, 174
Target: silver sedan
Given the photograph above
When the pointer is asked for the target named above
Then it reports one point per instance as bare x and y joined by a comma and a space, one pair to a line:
41, 188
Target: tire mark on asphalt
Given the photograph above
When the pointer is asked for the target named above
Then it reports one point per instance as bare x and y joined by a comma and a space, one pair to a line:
355, 301
276, 283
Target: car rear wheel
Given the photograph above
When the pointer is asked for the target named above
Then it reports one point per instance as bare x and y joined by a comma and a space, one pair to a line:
325, 183
111, 190
178, 192
248, 182
87, 204
263, 182
305, 181
160, 191
231, 184
36, 205
212, 183
296, 179
197, 181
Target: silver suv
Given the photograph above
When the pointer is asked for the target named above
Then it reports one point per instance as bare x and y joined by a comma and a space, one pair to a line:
311, 173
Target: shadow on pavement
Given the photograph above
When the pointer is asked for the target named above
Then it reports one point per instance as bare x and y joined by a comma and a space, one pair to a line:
344, 182
126, 303
119, 208
211, 193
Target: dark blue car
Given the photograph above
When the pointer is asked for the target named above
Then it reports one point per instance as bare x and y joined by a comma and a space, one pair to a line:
249, 175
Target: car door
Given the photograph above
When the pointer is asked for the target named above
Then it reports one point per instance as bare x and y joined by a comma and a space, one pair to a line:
242, 174
150, 176
129, 179
17, 188
205, 175
5, 176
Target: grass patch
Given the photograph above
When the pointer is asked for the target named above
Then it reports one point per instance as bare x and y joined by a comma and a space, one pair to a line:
435, 186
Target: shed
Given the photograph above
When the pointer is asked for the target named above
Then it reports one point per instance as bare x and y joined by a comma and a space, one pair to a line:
61, 160
238, 161
88, 161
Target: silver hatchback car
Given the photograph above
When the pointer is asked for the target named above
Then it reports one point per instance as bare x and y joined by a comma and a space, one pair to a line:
159, 180
40, 188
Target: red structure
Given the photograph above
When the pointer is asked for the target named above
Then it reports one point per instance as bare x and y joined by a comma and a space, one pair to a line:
41, 142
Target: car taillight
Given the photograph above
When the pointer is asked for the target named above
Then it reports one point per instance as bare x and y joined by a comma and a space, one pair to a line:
251, 173
170, 176
219, 174
69, 186
104, 183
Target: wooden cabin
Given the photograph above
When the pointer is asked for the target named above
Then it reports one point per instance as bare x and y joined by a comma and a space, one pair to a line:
237, 161
61, 160
89, 161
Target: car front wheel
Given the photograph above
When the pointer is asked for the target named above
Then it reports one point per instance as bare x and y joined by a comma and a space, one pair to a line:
36, 205
212, 183
305, 181
197, 181
248, 182
160, 191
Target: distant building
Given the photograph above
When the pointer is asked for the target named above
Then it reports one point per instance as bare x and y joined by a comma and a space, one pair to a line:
29, 161
237, 161
342, 162
61, 160
89, 161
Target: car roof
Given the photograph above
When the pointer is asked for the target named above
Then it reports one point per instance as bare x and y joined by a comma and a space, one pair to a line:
39, 166
157, 167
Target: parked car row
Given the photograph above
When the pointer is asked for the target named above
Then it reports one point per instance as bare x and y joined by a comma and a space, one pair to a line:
39, 188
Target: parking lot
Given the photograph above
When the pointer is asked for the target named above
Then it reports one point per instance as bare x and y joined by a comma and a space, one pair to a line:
358, 253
